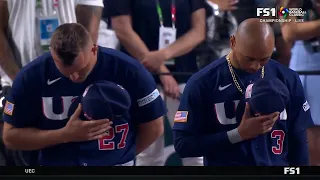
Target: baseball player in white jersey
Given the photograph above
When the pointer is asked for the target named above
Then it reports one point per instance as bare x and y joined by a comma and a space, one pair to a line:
26, 27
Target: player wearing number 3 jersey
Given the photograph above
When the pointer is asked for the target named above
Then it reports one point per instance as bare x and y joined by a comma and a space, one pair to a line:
244, 109
36, 111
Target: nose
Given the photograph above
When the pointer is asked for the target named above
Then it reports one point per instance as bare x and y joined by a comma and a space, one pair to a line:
74, 76
256, 67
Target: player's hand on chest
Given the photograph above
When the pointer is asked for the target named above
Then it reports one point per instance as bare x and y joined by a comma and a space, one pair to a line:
55, 104
229, 114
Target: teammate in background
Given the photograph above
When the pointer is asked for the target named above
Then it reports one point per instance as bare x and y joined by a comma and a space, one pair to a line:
212, 120
26, 36
107, 37
305, 57
48, 85
282, 51
21, 42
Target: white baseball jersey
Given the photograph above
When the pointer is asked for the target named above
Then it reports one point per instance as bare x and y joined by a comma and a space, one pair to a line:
22, 23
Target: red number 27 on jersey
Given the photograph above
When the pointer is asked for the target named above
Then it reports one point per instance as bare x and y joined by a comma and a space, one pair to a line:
107, 143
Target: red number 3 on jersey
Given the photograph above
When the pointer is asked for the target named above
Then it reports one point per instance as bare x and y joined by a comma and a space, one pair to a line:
279, 135
110, 145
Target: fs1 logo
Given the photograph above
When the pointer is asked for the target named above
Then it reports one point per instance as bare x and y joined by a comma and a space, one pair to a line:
266, 12
291, 170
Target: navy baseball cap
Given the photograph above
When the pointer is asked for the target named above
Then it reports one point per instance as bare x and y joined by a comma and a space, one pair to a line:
267, 96
102, 99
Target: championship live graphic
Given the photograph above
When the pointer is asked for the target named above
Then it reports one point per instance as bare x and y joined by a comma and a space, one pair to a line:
281, 14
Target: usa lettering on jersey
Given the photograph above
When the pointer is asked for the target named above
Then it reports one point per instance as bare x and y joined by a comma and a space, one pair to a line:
277, 134
8, 108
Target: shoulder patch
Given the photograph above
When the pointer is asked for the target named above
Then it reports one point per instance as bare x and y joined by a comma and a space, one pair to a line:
181, 116
149, 98
306, 106
8, 108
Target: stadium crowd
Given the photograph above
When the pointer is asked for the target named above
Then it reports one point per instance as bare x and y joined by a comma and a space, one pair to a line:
172, 39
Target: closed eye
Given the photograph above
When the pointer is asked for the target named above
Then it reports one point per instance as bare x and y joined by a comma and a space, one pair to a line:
254, 59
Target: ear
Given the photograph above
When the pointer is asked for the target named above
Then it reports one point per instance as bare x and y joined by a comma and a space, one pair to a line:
232, 42
94, 49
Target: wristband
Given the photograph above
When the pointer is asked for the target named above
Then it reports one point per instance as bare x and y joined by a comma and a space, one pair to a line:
234, 136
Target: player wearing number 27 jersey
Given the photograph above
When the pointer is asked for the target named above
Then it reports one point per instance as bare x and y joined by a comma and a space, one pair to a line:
41, 96
210, 121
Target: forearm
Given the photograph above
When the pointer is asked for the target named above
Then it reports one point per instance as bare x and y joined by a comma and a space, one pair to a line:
300, 31
313, 135
184, 44
148, 134
196, 146
132, 42
283, 49
89, 17
144, 140
32, 139
7, 61
163, 69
